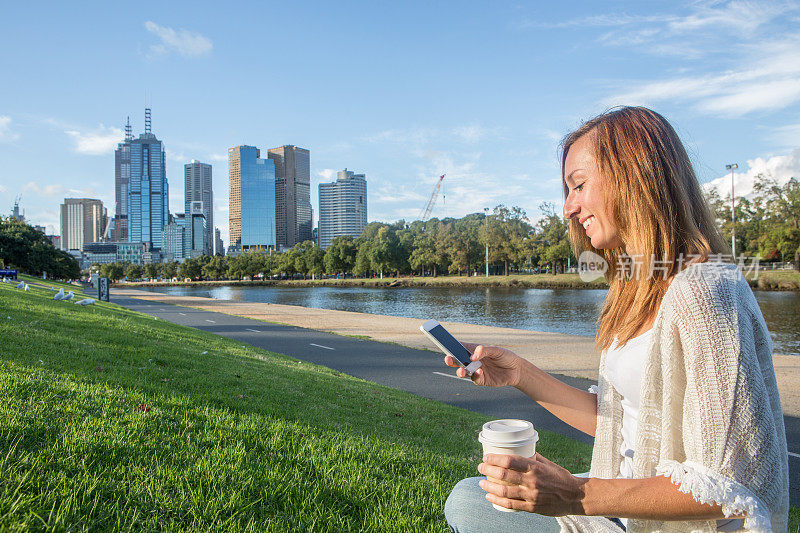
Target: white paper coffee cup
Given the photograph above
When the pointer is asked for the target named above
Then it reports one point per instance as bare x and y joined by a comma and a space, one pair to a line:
508, 437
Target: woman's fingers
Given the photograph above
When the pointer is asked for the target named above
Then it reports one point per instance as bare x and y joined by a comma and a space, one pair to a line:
514, 492
503, 474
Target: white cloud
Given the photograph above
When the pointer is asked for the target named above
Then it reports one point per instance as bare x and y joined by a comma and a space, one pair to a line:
178, 157
58, 190
470, 134
100, 141
2, 189
184, 42
6, 135
326, 174
768, 79
786, 136
779, 167
741, 16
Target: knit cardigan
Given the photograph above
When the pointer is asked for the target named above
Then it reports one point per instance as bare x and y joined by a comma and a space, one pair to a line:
710, 416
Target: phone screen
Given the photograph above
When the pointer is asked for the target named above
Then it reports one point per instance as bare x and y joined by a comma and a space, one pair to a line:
453, 346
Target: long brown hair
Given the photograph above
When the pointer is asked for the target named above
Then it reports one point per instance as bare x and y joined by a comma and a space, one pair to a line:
658, 207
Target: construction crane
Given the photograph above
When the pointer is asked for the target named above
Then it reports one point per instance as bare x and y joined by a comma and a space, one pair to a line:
428, 208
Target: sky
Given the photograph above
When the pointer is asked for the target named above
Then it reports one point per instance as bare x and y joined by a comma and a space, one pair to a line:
402, 92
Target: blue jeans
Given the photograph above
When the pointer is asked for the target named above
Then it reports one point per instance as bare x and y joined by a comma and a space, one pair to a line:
467, 510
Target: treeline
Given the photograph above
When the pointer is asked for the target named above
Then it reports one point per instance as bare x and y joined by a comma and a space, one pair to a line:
433, 247
768, 225
28, 250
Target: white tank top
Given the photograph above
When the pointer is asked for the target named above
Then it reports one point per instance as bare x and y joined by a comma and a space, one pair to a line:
625, 370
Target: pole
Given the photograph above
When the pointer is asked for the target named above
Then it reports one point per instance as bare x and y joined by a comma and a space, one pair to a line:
485, 225
732, 167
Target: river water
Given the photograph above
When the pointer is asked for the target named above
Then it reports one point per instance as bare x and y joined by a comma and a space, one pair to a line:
571, 311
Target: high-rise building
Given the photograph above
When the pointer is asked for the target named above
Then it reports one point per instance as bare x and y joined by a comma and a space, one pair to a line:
15, 214
196, 230
342, 207
197, 188
148, 192
122, 178
172, 242
251, 212
83, 221
219, 249
292, 194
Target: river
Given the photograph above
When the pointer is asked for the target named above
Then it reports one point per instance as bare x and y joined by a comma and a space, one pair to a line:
571, 311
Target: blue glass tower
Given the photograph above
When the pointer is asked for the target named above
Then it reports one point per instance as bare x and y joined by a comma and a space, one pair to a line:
252, 199
148, 192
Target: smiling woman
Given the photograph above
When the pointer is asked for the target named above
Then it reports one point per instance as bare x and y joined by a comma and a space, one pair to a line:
687, 420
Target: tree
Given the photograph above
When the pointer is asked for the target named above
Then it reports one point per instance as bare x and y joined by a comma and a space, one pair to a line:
151, 270
554, 246
112, 271
504, 231
383, 254
28, 249
191, 268
362, 263
215, 268
169, 270
133, 272
340, 255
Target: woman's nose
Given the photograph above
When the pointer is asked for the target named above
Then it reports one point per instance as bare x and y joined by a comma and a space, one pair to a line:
571, 208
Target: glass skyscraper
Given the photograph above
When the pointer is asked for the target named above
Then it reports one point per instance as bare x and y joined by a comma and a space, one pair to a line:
148, 192
252, 199
122, 178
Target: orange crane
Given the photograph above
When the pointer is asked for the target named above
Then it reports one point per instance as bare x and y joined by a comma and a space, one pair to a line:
428, 208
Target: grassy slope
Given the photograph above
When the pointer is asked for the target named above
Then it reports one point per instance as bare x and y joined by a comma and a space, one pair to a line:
110, 419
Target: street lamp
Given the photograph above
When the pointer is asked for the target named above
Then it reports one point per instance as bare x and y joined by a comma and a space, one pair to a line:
732, 167
485, 227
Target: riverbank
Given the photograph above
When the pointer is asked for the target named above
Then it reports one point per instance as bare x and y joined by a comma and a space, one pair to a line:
570, 355
767, 280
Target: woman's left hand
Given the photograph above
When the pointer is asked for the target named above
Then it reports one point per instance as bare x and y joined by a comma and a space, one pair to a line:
535, 484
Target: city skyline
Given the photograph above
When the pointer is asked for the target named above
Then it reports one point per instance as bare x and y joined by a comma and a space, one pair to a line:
481, 94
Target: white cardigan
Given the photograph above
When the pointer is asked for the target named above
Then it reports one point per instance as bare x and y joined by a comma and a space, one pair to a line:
710, 417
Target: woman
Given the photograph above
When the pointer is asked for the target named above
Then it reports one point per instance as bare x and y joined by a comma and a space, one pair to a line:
687, 421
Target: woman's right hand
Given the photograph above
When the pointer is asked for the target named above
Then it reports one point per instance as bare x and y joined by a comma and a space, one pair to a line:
499, 366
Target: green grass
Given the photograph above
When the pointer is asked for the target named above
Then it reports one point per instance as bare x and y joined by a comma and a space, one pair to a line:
112, 420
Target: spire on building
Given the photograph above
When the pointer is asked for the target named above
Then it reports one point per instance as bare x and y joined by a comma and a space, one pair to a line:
128, 130
147, 128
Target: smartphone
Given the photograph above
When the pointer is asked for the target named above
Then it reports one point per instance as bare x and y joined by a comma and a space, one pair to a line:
449, 345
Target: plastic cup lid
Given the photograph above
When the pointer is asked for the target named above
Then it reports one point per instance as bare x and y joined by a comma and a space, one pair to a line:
508, 432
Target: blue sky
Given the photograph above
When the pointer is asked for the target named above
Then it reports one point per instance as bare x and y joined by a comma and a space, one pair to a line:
404, 91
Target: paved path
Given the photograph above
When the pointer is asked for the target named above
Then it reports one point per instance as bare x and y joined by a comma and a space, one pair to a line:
418, 371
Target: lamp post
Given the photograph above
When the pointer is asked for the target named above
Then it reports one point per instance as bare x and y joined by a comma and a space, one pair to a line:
486, 231
732, 167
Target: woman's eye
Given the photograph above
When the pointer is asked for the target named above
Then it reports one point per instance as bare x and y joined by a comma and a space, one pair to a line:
578, 187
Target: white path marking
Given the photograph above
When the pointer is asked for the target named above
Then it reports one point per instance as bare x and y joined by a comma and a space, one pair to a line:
450, 376
796, 455
184, 314
253, 330
213, 322
321, 346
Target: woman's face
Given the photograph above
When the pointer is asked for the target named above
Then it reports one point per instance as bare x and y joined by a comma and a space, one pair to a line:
586, 200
